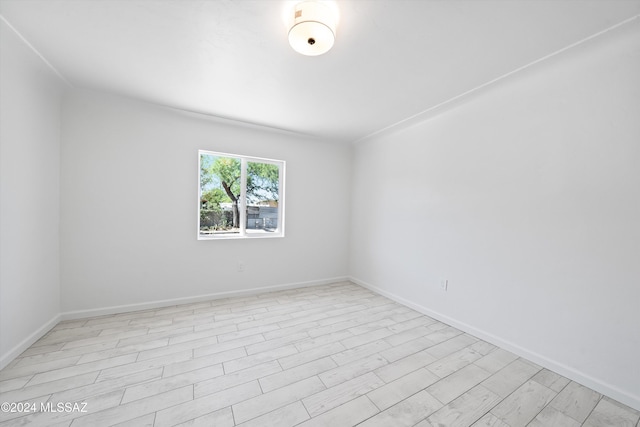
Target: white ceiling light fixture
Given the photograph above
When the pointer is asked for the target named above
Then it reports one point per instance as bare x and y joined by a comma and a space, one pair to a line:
312, 27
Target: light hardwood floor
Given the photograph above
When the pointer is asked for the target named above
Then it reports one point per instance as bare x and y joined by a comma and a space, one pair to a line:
335, 355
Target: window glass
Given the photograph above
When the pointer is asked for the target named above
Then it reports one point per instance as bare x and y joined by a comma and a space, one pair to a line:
239, 196
263, 189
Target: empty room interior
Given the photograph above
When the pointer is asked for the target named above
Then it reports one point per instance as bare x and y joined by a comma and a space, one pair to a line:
320, 213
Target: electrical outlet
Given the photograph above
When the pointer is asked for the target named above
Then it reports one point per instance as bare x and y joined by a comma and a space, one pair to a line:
444, 284
240, 266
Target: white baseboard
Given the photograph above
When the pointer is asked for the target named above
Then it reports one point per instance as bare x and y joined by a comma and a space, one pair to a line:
578, 376
79, 314
6, 358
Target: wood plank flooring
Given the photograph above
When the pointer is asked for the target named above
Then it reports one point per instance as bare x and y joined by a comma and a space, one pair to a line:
334, 355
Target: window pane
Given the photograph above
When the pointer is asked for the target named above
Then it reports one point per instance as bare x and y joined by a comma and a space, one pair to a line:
263, 193
219, 195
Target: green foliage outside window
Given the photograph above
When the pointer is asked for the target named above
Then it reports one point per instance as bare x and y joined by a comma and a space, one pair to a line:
220, 182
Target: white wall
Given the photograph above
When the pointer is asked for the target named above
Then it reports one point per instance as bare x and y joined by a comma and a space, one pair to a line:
129, 207
29, 196
527, 200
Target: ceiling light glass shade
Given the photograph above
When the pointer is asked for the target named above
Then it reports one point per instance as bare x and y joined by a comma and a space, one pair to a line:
312, 28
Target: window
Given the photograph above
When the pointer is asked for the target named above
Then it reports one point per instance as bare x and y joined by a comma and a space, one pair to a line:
239, 196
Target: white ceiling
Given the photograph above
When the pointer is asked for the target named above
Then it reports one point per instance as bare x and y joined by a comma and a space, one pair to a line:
392, 59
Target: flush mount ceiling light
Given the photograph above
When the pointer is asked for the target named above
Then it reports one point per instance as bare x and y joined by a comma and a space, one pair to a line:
312, 27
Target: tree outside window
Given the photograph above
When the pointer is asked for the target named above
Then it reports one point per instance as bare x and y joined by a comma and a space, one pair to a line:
239, 196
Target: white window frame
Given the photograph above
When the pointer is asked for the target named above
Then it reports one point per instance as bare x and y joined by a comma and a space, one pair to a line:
242, 202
